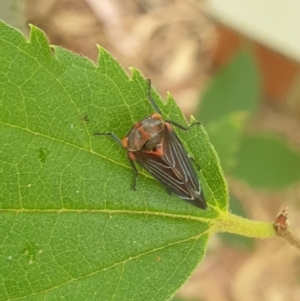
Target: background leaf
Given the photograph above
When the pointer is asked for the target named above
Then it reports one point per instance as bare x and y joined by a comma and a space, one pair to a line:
234, 89
265, 161
70, 225
231, 98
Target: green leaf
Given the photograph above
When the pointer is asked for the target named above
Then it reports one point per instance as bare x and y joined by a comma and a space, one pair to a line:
71, 227
240, 242
265, 161
226, 106
236, 88
226, 134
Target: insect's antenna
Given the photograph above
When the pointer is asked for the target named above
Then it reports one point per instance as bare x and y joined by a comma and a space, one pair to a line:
151, 98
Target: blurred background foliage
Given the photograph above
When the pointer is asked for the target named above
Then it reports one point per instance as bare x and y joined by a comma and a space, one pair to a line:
245, 94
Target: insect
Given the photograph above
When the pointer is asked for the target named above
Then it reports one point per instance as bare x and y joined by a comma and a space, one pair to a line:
153, 144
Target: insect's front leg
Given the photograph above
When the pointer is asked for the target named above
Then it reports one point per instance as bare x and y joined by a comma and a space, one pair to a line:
131, 157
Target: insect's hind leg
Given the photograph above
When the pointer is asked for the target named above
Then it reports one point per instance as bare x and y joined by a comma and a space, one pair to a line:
194, 161
135, 172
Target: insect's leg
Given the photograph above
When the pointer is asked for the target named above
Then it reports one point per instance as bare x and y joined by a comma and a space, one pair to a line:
185, 128
113, 135
168, 191
157, 109
194, 161
119, 141
182, 127
135, 172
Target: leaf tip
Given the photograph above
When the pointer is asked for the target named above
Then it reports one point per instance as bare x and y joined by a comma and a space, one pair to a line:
38, 37
100, 48
170, 100
34, 30
192, 119
103, 51
102, 54
137, 75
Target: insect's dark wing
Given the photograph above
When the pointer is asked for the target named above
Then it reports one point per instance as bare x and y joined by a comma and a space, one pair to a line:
174, 169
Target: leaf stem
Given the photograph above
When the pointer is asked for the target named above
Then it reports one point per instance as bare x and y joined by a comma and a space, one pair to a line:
237, 225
